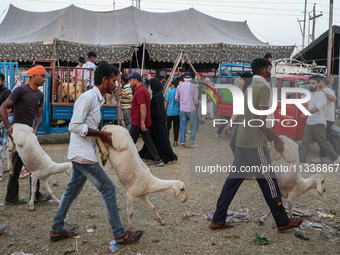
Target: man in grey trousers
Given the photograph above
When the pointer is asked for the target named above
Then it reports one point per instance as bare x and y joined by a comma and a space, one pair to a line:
316, 123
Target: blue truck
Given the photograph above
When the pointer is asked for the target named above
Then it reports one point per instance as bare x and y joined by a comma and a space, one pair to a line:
58, 103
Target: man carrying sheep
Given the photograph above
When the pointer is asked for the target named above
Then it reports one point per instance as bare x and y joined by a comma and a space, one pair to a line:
82, 152
27, 101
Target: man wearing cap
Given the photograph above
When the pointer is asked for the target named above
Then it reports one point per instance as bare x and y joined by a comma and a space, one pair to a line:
27, 101
78, 72
90, 64
186, 95
141, 116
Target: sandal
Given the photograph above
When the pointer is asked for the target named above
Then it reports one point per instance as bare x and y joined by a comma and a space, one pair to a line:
43, 199
19, 202
63, 235
293, 223
24, 173
130, 237
226, 225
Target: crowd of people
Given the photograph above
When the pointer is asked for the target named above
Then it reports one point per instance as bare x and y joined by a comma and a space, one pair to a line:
151, 116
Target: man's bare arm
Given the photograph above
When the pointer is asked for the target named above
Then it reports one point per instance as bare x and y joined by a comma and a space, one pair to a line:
4, 115
142, 116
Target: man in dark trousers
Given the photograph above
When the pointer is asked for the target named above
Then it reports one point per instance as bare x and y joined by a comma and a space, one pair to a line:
27, 101
251, 150
141, 118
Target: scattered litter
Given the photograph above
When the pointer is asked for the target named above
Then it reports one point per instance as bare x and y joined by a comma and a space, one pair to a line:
69, 252
90, 230
311, 224
12, 233
51, 201
92, 215
55, 184
213, 244
2, 204
298, 212
261, 239
299, 230
21, 253
155, 241
3, 229
114, 246
139, 253
232, 217
325, 215
287, 249
302, 237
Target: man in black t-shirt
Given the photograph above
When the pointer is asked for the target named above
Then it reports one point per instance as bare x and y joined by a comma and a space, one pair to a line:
27, 101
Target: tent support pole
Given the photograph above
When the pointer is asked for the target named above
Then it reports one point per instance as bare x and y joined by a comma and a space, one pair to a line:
143, 59
168, 82
192, 67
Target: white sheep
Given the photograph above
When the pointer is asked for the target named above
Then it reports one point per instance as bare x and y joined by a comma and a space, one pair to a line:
37, 162
291, 183
133, 173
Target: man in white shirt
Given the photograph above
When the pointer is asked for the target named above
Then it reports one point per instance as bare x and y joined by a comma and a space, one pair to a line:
316, 123
89, 64
85, 166
330, 118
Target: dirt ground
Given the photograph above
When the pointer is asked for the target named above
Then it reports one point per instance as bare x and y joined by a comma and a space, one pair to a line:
28, 230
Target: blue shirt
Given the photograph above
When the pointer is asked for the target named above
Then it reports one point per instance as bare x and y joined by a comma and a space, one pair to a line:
173, 106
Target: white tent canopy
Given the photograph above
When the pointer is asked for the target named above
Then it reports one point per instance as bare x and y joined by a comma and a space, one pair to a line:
73, 31
129, 26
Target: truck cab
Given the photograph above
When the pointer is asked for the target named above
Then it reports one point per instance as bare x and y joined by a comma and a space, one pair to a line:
292, 112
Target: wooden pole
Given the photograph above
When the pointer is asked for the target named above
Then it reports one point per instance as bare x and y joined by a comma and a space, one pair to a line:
304, 26
168, 82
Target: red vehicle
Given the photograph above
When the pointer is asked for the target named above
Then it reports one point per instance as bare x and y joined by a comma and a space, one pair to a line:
292, 113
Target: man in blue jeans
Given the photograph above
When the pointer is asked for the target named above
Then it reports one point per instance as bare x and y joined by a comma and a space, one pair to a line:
85, 166
187, 96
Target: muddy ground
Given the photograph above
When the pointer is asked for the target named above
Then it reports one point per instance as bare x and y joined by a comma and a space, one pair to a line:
28, 230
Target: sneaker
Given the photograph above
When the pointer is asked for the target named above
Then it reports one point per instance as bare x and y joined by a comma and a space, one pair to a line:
336, 161
193, 145
327, 161
156, 163
216, 135
317, 160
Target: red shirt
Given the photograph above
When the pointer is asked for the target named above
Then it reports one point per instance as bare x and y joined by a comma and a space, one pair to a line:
140, 96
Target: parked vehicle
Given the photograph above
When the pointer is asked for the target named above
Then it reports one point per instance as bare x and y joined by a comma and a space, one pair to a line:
60, 94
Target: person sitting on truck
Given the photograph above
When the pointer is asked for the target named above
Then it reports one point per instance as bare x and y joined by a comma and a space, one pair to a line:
89, 64
269, 57
251, 150
78, 72
316, 123
27, 101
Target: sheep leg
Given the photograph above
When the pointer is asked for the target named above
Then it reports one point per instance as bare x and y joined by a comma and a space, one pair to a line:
50, 191
130, 200
265, 217
153, 209
103, 151
34, 187
290, 207
9, 153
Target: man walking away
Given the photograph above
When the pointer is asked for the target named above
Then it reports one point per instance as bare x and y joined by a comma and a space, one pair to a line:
125, 101
316, 123
82, 152
186, 95
251, 150
90, 64
141, 118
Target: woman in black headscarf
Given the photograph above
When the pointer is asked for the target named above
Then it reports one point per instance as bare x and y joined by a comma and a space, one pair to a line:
158, 129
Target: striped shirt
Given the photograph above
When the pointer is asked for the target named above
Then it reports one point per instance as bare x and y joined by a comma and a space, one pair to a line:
125, 103
187, 96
